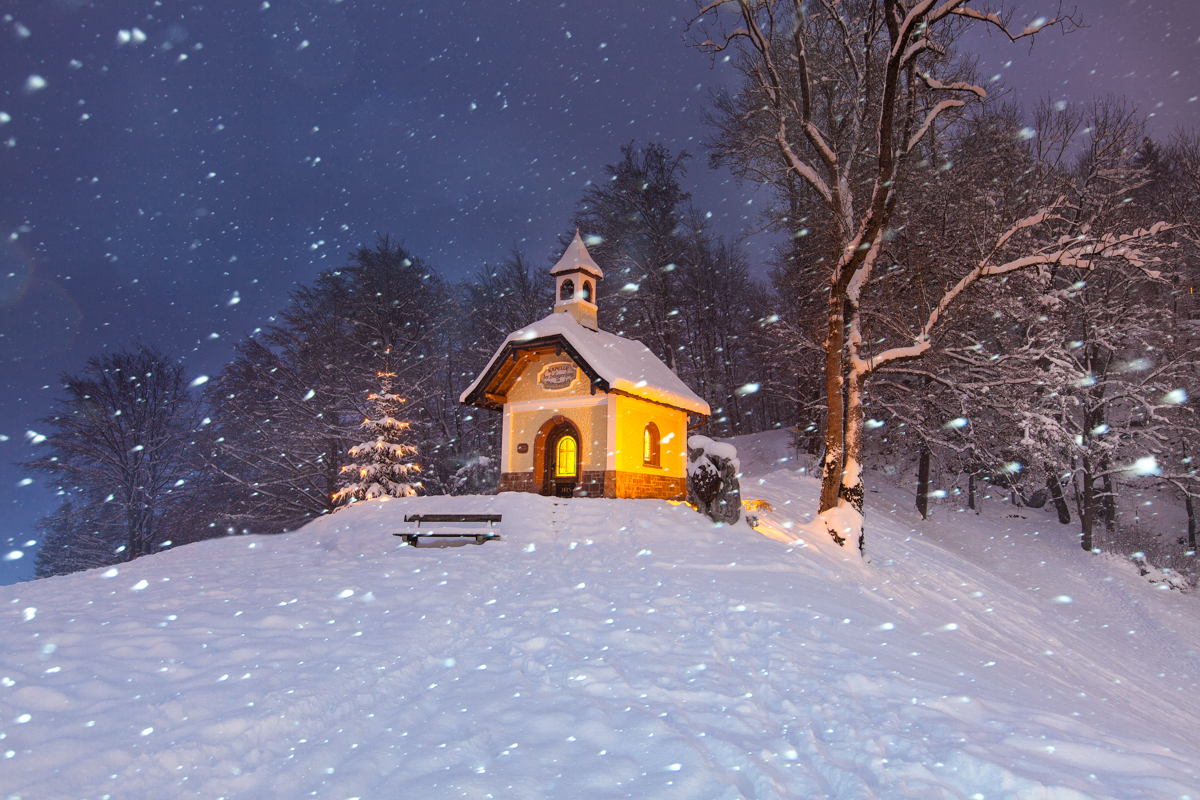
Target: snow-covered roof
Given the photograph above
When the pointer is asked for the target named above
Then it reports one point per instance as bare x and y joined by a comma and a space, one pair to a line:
626, 365
576, 257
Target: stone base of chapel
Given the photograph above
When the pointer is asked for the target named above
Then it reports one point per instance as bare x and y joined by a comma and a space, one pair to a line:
608, 483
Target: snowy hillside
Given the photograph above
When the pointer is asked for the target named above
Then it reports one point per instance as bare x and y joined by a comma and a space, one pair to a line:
607, 649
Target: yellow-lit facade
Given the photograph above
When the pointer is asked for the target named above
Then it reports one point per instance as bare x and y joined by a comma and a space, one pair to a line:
613, 428
609, 434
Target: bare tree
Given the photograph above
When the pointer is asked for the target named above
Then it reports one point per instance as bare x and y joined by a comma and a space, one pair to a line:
279, 438
678, 287
843, 98
721, 311
503, 298
78, 537
634, 222
494, 301
121, 451
286, 411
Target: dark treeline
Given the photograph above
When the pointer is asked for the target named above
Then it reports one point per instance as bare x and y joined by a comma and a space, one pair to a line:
147, 457
1064, 385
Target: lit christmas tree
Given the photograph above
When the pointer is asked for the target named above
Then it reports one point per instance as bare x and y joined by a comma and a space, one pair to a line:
382, 465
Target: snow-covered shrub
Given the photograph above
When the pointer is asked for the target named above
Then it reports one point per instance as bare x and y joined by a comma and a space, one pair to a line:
1164, 577
1158, 541
478, 476
712, 479
1161, 577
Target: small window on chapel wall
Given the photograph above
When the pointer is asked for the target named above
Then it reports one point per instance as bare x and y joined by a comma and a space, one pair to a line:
568, 290
586, 294
650, 445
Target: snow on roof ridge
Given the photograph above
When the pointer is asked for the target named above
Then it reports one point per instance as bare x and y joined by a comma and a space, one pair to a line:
627, 364
576, 257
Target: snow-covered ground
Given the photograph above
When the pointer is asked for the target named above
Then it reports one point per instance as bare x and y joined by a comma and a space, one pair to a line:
603, 649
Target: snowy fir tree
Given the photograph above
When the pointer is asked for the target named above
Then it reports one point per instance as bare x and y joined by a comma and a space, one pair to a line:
382, 465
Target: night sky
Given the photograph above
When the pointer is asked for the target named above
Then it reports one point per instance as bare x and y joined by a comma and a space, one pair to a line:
169, 171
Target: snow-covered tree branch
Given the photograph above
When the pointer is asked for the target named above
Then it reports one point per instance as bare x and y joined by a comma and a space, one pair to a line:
855, 125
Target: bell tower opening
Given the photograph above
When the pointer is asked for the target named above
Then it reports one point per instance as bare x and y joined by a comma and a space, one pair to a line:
575, 277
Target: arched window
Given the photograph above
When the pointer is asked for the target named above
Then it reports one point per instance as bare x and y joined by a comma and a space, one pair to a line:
651, 443
568, 290
587, 291
564, 457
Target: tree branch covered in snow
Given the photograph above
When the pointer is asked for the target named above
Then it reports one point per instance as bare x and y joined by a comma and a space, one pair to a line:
839, 102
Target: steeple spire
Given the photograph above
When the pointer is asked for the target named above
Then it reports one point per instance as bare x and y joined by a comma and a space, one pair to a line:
575, 277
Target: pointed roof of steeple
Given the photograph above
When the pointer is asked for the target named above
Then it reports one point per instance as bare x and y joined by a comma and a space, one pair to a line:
576, 258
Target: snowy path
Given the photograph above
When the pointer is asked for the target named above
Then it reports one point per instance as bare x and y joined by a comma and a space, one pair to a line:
604, 649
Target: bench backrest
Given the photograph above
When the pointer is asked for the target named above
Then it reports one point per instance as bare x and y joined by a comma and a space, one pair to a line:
419, 518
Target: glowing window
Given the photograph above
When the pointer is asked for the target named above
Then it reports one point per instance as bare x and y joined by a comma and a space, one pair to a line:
650, 445
568, 290
564, 464
587, 291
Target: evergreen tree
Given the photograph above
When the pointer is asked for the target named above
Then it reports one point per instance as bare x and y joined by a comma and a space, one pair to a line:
382, 465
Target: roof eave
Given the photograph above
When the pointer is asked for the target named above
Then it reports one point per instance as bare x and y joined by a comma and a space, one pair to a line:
478, 396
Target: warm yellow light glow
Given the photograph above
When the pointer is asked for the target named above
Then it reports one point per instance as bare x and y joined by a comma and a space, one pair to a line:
650, 445
633, 418
565, 461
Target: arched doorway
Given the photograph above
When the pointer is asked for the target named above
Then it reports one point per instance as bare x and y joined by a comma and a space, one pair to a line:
558, 450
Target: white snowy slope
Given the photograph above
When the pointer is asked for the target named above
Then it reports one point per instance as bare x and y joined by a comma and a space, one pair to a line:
606, 649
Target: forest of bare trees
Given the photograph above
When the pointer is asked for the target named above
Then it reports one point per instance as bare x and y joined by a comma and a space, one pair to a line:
908, 195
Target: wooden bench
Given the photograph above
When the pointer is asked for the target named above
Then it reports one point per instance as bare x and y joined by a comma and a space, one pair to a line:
449, 538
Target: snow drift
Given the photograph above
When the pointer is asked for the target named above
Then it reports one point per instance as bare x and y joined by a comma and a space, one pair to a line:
607, 648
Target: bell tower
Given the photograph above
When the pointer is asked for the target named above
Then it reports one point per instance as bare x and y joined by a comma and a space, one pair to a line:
575, 278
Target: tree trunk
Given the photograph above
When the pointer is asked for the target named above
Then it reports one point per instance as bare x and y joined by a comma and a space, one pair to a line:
1055, 489
835, 443
1075, 488
1191, 514
1110, 500
138, 520
800, 415
923, 483
1089, 505
971, 491
851, 492
333, 461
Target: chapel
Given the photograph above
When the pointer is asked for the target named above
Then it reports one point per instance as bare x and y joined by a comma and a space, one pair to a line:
587, 413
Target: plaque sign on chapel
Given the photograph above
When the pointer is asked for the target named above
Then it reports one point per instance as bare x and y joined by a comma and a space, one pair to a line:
558, 376
587, 413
